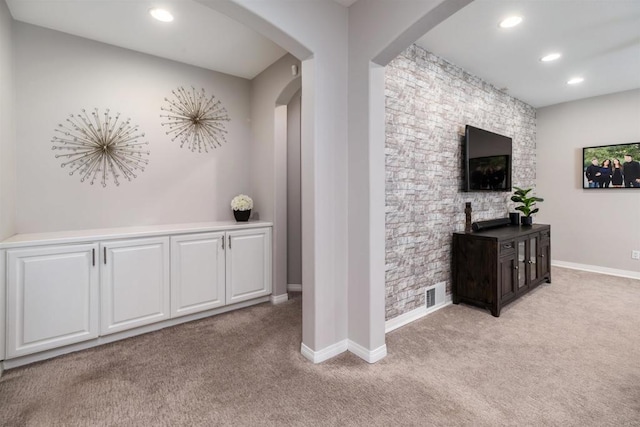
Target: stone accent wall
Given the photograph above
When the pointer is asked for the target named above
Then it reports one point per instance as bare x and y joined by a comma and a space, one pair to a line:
428, 103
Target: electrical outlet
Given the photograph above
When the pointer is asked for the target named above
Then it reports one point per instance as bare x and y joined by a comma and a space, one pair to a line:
635, 254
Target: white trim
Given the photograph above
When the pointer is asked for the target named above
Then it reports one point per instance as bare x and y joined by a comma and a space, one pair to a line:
48, 354
370, 356
294, 287
326, 353
413, 315
597, 269
279, 299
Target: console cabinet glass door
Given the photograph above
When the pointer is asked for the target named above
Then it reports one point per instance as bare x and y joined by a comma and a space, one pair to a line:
528, 269
135, 283
533, 258
522, 264
52, 297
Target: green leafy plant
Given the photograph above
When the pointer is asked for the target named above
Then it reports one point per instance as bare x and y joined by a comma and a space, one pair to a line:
527, 202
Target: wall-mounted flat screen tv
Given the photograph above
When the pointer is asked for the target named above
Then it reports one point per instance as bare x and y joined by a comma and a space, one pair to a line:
611, 166
487, 161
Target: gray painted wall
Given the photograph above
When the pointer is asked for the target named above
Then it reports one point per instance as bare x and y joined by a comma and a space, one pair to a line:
428, 103
268, 161
59, 74
599, 227
7, 126
294, 203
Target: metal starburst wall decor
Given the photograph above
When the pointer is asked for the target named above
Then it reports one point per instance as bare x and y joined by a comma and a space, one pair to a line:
195, 119
100, 147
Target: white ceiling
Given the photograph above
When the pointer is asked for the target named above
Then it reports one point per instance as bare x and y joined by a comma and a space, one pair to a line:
599, 40
198, 35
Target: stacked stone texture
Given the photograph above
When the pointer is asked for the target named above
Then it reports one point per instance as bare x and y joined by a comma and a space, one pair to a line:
428, 103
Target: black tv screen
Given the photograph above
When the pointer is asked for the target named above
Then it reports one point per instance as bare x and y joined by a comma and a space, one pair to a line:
611, 166
487, 160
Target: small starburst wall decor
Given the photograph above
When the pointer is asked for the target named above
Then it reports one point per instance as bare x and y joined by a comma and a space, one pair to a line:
195, 119
100, 147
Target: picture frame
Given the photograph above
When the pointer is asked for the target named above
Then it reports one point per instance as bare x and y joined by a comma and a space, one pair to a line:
607, 167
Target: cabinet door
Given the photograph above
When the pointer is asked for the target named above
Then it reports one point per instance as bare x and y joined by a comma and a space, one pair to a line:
52, 297
197, 273
508, 279
523, 263
532, 255
248, 261
135, 283
544, 259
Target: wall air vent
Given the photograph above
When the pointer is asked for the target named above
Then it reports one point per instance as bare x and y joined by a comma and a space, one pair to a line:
434, 295
430, 297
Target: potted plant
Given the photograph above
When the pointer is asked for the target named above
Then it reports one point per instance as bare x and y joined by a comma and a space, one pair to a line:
527, 204
242, 205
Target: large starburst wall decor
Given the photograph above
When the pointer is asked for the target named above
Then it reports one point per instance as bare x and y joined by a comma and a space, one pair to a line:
100, 147
195, 119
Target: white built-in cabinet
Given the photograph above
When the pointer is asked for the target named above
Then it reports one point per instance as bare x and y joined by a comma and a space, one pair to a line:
135, 287
52, 297
68, 293
197, 273
213, 269
248, 264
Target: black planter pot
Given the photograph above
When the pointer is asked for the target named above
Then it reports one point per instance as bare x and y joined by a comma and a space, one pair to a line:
515, 218
526, 220
242, 216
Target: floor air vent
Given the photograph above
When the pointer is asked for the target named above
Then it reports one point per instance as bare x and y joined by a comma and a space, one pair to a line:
434, 295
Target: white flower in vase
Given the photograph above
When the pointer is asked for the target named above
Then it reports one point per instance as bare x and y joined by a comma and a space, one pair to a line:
242, 202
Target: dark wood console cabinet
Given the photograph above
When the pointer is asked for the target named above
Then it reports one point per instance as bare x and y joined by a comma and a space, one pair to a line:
494, 267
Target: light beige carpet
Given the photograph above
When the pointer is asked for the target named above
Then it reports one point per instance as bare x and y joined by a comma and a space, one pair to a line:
567, 354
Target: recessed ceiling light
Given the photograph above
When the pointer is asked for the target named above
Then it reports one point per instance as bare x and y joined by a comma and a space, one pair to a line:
511, 21
161, 15
575, 81
550, 57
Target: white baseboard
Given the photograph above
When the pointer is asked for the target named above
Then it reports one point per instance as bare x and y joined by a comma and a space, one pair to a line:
294, 287
279, 299
370, 356
326, 353
413, 315
597, 269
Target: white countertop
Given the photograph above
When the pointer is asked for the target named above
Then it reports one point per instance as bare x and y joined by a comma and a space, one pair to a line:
79, 236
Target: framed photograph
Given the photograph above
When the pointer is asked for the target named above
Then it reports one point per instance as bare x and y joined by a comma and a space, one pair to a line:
611, 166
